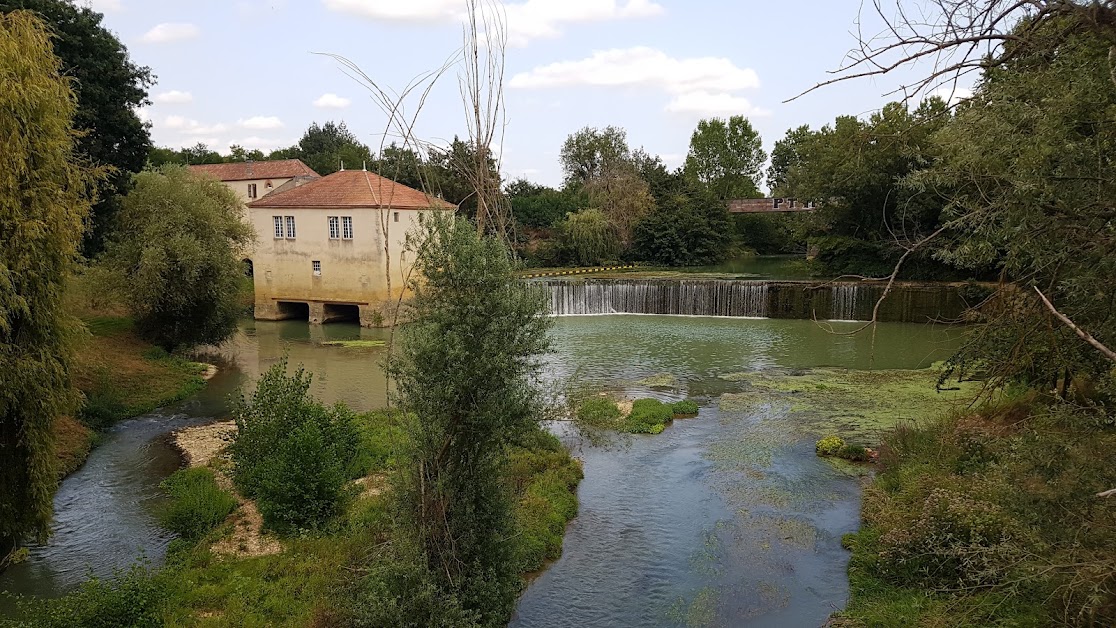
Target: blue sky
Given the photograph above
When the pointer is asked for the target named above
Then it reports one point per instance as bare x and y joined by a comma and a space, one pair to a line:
244, 72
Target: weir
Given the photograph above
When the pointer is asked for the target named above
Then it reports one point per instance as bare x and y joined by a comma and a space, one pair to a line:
846, 301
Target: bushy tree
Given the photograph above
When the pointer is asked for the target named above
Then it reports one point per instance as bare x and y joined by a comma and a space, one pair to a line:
109, 88
177, 250
599, 162
43, 203
855, 169
467, 372
292, 454
727, 157
587, 238
784, 156
687, 228
324, 147
1029, 170
536, 205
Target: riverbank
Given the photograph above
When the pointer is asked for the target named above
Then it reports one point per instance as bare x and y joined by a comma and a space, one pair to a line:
120, 376
309, 578
990, 518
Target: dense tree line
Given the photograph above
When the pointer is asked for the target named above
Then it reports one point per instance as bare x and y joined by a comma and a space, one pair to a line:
617, 203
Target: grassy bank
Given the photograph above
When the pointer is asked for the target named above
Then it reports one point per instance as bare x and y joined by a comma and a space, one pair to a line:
990, 518
318, 578
120, 376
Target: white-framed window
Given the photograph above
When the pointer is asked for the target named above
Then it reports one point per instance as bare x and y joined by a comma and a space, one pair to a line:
278, 222
290, 227
347, 227
334, 228
251, 190
317, 266
395, 217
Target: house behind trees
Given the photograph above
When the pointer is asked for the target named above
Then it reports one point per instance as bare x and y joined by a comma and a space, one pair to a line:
320, 249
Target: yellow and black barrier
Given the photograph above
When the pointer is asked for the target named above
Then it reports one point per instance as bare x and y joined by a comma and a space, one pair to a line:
578, 271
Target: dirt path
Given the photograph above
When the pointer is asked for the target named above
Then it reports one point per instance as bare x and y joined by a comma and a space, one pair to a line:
203, 446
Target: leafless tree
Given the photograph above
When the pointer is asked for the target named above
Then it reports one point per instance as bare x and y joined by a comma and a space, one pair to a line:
959, 37
482, 92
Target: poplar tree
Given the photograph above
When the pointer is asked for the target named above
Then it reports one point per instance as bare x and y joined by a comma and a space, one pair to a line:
44, 199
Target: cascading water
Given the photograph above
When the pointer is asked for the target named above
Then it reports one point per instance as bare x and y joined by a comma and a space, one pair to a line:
687, 298
844, 302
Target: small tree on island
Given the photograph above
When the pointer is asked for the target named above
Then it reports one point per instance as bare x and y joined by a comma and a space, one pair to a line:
467, 374
176, 252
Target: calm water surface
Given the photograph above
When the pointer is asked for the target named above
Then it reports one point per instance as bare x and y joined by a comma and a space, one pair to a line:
676, 529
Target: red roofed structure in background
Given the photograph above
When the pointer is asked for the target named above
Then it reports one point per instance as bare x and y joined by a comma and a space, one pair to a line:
255, 179
325, 247
353, 188
248, 170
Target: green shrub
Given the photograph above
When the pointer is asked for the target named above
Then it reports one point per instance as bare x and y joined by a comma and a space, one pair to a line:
649, 416
380, 437
598, 411
854, 453
130, 598
293, 455
104, 405
829, 446
684, 408
197, 504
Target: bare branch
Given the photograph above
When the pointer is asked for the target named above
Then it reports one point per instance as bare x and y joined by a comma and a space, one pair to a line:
1081, 333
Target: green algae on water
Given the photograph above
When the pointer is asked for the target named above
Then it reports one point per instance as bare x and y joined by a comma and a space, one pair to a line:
853, 404
355, 344
660, 380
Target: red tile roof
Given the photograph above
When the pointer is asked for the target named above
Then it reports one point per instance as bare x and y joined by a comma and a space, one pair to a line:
247, 170
352, 188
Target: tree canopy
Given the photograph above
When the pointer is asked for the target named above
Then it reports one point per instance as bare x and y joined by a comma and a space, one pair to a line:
727, 156
178, 242
43, 203
110, 88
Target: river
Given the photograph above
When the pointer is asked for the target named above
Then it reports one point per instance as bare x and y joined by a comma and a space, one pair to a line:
674, 529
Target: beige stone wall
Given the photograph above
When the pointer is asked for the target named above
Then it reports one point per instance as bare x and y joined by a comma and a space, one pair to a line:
241, 187
352, 271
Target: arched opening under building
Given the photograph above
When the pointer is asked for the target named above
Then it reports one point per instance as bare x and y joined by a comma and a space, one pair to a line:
340, 312
249, 268
293, 310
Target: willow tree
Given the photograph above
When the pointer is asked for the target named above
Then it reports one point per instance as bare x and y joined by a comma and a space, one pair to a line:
44, 199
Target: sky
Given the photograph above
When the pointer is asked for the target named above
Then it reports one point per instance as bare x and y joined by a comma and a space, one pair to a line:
257, 72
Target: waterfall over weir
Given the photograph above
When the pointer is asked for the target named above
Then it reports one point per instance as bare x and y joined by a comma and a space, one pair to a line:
846, 301
688, 298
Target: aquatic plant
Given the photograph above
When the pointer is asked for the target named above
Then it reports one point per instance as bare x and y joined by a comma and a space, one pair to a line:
598, 411
829, 446
649, 416
684, 408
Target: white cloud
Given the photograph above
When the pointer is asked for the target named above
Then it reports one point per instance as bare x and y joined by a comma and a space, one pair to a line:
332, 101
103, 6
525, 20
262, 123
719, 104
703, 85
170, 32
143, 114
641, 67
173, 97
544, 18
192, 127
261, 143
952, 95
